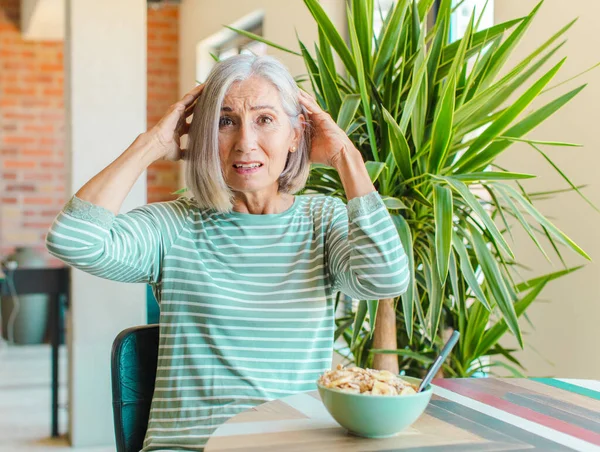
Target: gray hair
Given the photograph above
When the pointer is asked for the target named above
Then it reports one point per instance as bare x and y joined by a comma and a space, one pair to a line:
204, 175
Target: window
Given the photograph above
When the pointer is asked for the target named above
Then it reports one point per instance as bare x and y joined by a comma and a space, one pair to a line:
240, 44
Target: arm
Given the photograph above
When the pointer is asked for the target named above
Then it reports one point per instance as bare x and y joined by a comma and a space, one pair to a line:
365, 256
109, 188
88, 233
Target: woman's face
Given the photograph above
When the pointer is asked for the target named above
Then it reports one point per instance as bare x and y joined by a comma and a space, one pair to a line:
255, 137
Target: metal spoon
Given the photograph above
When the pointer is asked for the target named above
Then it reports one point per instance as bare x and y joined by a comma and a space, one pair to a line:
439, 360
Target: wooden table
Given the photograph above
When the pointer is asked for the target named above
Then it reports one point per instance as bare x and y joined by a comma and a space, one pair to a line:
485, 414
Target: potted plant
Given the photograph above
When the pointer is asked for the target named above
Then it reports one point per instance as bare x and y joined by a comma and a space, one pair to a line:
431, 119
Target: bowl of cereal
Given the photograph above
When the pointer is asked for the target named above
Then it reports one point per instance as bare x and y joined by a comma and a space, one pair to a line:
372, 403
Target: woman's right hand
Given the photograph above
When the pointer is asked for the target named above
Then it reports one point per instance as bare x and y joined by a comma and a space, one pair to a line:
166, 134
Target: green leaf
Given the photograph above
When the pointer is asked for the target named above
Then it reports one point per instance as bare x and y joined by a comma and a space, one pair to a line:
481, 103
519, 216
478, 321
494, 279
419, 197
325, 49
393, 203
389, 41
561, 236
467, 270
364, 94
363, 18
443, 212
419, 72
474, 204
330, 88
545, 143
313, 69
471, 160
480, 38
408, 297
549, 277
334, 38
442, 128
436, 294
440, 39
491, 175
348, 111
374, 169
493, 335
526, 125
372, 306
404, 353
261, 39
399, 145
359, 320
564, 176
501, 55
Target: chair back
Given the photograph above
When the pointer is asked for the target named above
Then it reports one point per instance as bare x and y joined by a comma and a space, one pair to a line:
133, 368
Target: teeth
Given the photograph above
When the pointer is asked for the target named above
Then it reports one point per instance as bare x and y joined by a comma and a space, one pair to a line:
251, 165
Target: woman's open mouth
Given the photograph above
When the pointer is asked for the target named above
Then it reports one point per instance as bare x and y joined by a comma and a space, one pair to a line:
247, 168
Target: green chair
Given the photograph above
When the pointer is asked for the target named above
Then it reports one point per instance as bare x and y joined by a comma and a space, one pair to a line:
133, 369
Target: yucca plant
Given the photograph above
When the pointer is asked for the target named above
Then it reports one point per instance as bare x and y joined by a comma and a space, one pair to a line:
430, 119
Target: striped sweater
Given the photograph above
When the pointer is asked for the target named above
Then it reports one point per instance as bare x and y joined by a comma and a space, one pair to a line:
247, 301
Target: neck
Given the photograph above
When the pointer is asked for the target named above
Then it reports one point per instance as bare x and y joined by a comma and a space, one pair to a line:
262, 205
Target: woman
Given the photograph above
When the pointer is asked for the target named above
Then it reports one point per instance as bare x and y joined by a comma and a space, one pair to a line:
245, 271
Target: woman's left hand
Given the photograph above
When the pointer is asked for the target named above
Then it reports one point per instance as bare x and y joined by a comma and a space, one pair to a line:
328, 141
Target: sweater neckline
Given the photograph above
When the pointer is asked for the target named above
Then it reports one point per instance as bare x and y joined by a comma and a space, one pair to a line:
251, 218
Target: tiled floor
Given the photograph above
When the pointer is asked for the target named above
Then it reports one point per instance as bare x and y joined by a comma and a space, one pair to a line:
25, 401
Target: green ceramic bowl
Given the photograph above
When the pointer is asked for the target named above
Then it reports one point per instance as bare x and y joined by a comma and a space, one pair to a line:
375, 416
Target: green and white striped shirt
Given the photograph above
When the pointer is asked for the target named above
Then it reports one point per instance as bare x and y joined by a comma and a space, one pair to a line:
247, 301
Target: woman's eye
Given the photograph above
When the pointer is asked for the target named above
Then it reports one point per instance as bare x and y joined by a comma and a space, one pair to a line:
225, 121
265, 120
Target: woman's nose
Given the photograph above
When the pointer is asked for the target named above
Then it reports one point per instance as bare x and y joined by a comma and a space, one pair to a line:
246, 138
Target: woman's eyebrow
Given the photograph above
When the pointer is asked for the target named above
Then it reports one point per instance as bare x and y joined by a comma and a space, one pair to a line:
253, 108
263, 107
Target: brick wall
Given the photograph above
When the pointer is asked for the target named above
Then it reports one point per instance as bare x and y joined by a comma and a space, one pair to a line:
32, 171
32, 134
163, 90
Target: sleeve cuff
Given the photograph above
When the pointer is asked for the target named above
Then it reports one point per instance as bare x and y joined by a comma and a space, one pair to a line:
364, 205
91, 213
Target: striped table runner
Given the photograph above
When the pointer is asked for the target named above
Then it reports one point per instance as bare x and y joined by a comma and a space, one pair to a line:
486, 414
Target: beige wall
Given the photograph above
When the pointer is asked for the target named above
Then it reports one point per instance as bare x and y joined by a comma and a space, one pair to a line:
282, 18
566, 324
106, 109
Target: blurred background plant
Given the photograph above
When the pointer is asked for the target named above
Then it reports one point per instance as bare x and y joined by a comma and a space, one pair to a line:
431, 118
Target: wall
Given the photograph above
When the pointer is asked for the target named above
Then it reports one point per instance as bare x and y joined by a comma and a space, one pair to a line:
32, 158
32, 123
200, 19
565, 340
163, 90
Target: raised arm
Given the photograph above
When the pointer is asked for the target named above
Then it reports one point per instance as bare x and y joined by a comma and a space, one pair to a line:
89, 234
365, 256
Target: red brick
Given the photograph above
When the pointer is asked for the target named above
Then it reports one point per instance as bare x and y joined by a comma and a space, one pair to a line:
20, 188
11, 139
37, 153
13, 164
32, 118
38, 201
54, 165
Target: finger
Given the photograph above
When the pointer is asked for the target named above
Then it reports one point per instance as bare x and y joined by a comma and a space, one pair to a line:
192, 95
309, 102
190, 109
